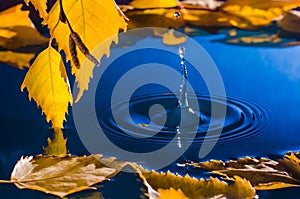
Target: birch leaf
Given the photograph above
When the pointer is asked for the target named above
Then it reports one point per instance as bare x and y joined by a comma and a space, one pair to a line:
47, 87
169, 37
157, 183
264, 174
16, 29
95, 22
158, 17
62, 176
290, 22
171, 193
144, 4
256, 12
40, 5
17, 59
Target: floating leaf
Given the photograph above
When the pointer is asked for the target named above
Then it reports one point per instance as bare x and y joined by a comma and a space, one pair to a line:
254, 13
255, 39
159, 17
47, 87
16, 29
171, 193
17, 59
207, 18
200, 4
264, 174
145, 4
94, 22
169, 38
290, 23
193, 188
62, 176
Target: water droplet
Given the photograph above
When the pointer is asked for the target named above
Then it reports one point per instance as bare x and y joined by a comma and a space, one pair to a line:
176, 14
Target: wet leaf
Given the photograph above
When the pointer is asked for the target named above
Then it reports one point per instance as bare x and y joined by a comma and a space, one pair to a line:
207, 18
169, 38
62, 176
202, 4
16, 29
46, 85
253, 13
255, 39
168, 183
17, 59
163, 18
57, 146
264, 174
145, 4
94, 22
290, 23
171, 193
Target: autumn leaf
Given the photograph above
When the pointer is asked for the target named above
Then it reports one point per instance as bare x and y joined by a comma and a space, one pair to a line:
157, 183
264, 174
62, 176
254, 13
17, 59
207, 18
160, 17
16, 29
169, 37
171, 193
40, 6
290, 22
47, 87
91, 21
144, 4
200, 4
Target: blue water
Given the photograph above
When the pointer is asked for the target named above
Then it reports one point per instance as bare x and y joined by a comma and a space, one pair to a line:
266, 77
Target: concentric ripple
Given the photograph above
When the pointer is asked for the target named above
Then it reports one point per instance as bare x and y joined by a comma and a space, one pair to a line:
243, 121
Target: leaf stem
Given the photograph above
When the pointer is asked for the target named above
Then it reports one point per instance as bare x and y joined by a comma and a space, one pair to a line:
63, 16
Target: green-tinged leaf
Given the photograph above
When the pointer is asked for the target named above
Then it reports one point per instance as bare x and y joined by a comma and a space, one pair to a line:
46, 85
57, 146
62, 176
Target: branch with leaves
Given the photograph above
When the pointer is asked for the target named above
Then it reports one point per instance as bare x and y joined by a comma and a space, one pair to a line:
73, 25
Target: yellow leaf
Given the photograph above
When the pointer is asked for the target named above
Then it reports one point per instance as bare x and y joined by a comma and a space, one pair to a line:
171, 193
202, 4
57, 146
16, 29
47, 87
95, 21
62, 176
160, 17
40, 5
17, 59
256, 39
194, 188
146, 4
264, 174
169, 38
14, 16
256, 12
